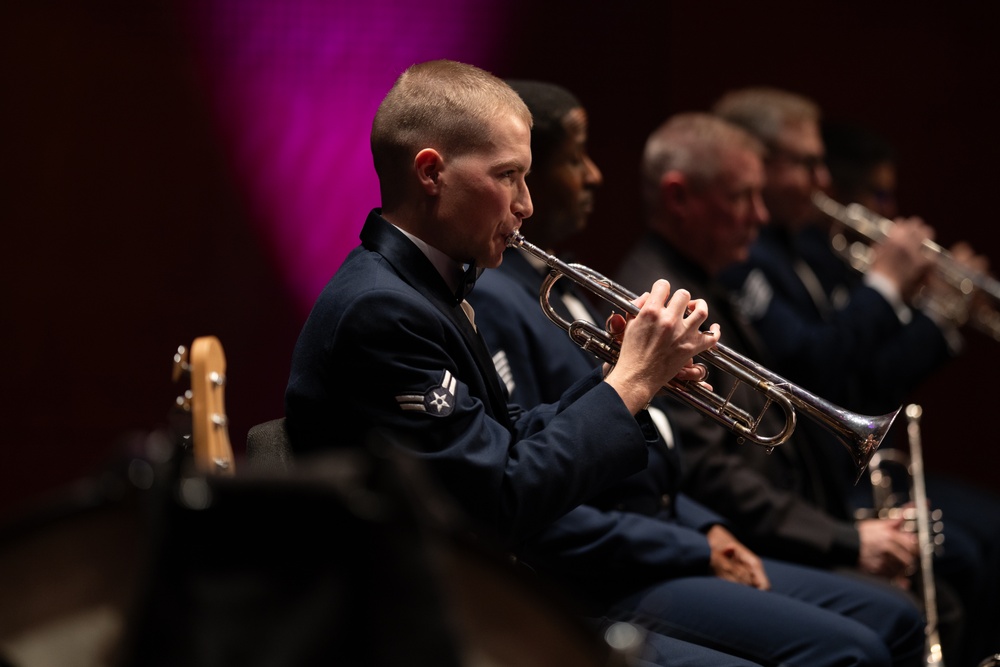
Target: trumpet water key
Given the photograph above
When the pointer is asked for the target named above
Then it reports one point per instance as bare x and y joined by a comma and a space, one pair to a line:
860, 434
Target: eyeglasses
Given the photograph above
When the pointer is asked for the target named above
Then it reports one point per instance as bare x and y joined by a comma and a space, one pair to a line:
808, 162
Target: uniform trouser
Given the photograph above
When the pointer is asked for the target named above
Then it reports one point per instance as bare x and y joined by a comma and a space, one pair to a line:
809, 618
655, 650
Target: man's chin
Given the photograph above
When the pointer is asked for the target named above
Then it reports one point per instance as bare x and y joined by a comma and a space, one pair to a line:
494, 261
740, 256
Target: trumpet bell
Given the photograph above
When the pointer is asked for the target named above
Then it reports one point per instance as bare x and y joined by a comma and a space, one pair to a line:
862, 435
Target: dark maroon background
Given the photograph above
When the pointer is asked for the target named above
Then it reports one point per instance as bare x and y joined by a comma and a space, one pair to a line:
126, 234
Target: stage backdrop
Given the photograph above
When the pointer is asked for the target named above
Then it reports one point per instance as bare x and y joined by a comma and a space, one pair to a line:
172, 170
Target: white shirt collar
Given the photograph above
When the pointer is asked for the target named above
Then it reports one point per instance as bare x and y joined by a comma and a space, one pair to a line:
450, 270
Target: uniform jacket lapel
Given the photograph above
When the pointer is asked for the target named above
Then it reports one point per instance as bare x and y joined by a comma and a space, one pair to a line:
413, 267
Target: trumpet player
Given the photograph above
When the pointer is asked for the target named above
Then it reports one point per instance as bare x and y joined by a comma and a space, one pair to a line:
776, 286
391, 342
864, 343
863, 170
704, 211
641, 550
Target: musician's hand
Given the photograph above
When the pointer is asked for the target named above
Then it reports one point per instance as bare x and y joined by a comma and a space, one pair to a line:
963, 253
887, 549
732, 561
901, 257
695, 372
658, 342
615, 325
691, 372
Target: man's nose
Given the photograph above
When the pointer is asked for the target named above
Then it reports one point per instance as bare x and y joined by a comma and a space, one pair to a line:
522, 206
820, 174
759, 210
593, 176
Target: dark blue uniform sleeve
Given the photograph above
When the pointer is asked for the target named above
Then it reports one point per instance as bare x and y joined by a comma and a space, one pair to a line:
389, 360
692, 514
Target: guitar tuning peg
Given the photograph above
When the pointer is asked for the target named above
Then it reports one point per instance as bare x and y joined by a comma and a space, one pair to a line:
184, 401
205, 366
181, 365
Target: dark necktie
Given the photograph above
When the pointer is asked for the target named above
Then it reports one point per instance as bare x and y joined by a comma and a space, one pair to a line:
485, 360
467, 282
744, 333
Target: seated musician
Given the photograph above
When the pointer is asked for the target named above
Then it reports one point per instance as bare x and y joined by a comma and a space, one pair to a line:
641, 551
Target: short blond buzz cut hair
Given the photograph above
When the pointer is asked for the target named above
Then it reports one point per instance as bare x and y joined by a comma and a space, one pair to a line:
440, 104
764, 111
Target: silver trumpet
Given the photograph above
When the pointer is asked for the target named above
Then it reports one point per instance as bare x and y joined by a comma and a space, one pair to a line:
888, 502
860, 434
924, 538
973, 297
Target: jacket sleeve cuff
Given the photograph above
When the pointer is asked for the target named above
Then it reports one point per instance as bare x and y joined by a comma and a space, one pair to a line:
883, 286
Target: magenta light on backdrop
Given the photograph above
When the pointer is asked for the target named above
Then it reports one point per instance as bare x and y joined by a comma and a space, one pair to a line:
295, 84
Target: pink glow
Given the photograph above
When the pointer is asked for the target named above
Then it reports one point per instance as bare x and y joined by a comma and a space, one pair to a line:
296, 83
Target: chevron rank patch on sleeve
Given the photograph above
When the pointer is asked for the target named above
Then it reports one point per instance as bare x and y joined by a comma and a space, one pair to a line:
502, 365
755, 296
438, 400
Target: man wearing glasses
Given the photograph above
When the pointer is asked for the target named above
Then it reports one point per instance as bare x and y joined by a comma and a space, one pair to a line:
864, 344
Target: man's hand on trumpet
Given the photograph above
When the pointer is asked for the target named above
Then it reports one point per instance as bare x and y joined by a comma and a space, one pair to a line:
887, 549
901, 258
659, 344
946, 289
963, 253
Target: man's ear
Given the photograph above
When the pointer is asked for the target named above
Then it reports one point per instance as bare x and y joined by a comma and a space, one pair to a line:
674, 191
428, 164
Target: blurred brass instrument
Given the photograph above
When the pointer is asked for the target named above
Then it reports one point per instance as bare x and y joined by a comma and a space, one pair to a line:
972, 297
889, 501
860, 434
